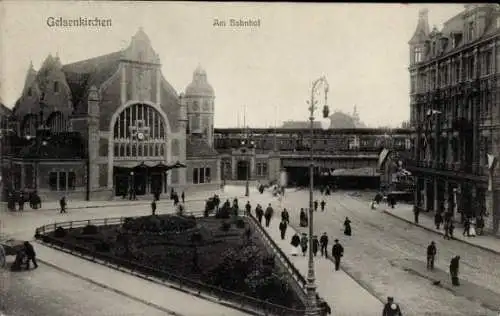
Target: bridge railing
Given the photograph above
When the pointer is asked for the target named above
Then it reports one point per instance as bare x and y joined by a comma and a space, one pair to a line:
239, 300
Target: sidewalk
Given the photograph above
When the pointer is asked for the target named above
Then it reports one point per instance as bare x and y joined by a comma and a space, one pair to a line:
150, 292
79, 204
425, 221
344, 295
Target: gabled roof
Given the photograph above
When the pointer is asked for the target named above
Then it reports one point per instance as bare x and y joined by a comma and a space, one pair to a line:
198, 147
87, 73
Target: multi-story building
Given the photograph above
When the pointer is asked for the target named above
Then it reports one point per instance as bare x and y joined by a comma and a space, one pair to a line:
110, 124
455, 112
355, 150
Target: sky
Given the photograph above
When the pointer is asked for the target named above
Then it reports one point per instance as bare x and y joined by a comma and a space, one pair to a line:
361, 49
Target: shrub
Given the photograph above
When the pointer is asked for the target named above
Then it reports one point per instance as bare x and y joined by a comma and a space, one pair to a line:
240, 223
60, 232
225, 226
102, 247
90, 230
196, 237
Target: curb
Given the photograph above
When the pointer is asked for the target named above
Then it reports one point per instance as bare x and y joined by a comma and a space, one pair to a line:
440, 233
169, 312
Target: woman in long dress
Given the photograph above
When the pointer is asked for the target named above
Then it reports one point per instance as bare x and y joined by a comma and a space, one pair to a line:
295, 243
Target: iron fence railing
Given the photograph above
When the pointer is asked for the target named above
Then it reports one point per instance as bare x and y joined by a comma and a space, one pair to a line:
242, 301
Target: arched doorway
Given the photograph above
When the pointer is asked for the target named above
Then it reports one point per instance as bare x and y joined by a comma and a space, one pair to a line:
139, 135
242, 171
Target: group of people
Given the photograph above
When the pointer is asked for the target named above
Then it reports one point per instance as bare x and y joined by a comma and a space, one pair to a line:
454, 263
20, 198
379, 197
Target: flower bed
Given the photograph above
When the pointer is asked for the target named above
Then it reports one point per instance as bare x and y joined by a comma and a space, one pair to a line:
219, 252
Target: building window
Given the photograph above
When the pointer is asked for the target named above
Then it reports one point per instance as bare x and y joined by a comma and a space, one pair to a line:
30, 92
419, 52
56, 86
62, 181
201, 175
261, 169
470, 31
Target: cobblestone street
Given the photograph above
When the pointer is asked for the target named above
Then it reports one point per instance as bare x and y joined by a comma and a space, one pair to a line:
379, 239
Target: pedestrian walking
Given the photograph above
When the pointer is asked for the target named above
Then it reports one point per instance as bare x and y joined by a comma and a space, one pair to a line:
153, 207
323, 203
391, 308
21, 201
446, 228
466, 231
451, 228
347, 227
183, 197
324, 244
431, 255
282, 228
248, 208
268, 214
303, 218
303, 243
30, 253
337, 253
454, 267
259, 212
438, 219
62, 205
315, 245
285, 216
416, 213
316, 205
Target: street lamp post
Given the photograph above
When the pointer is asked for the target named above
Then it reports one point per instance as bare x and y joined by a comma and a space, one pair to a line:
247, 144
312, 306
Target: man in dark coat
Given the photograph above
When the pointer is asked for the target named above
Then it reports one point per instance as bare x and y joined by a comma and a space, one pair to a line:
304, 241
283, 227
454, 267
62, 204
347, 227
153, 207
268, 214
316, 205
337, 253
323, 240
183, 197
295, 240
285, 216
466, 227
315, 245
30, 253
248, 208
431, 255
438, 219
391, 308
259, 212
323, 203
416, 213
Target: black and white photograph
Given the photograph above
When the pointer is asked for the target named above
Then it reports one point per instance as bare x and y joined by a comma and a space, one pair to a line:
249, 158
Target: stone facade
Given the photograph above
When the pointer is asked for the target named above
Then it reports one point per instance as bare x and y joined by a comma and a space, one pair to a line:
455, 112
126, 114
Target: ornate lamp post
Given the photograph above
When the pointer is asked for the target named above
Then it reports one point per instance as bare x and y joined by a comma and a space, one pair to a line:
247, 144
312, 306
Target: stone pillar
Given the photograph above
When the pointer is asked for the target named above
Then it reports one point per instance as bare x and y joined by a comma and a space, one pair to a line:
425, 195
23, 176
436, 195
416, 195
233, 167
218, 173
446, 198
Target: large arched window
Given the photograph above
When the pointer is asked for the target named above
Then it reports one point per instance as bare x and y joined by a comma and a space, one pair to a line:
29, 125
57, 123
139, 131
